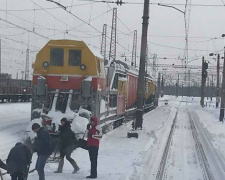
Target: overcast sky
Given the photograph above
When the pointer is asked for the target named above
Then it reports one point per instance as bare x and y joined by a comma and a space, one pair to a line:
35, 22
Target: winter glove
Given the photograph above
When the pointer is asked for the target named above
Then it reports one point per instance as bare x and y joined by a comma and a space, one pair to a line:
88, 126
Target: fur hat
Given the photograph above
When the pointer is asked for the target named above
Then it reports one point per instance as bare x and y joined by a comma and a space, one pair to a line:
64, 120
35, 126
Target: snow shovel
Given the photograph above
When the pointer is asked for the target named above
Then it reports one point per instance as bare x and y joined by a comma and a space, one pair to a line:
1, 175
54, 159
28, 167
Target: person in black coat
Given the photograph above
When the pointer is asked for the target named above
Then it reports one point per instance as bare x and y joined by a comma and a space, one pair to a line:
43, 148
66, 145
18, 160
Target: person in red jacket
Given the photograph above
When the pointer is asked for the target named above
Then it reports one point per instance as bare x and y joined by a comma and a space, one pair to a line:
94, 135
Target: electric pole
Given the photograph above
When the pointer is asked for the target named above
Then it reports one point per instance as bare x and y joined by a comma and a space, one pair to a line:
212, 88
134, 51
140, 88
223, 92
204, 76
159, 84
207, 89
0, 56
162, 86
177, 86
218, 81
27, 65
112, 51
103, 45
189, 81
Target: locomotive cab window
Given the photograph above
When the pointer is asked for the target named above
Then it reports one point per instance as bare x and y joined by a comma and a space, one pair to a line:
74, 57
56, 57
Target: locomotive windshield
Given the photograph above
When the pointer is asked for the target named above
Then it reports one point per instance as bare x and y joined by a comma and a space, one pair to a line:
56, 56
74, 57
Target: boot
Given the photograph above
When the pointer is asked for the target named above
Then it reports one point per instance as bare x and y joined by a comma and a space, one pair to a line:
76, 168
60, 167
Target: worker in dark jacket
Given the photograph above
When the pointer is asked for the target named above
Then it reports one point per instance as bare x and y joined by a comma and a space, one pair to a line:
3, 165
94, 134
18, 160
66, 145
42, 147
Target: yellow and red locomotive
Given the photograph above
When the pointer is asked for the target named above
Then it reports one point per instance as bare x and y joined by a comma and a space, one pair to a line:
70, 80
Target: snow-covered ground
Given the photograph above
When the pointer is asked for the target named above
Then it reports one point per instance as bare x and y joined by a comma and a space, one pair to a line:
121, 158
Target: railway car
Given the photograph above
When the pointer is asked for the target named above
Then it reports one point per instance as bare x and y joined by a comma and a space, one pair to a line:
70, 80
15, 89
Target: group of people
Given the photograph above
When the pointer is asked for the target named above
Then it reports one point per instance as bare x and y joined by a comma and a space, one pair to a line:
19, 158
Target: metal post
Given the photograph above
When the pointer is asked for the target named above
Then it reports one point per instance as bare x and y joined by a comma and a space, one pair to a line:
159, 85
212, 88
202, 86
223, 92
189, 82
0, 56
218, 81
207, 89
178, 86
140, 88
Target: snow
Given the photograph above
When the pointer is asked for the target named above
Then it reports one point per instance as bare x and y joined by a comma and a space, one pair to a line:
122, 158
89, 78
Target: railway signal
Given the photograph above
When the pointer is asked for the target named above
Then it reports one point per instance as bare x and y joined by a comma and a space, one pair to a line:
204, 69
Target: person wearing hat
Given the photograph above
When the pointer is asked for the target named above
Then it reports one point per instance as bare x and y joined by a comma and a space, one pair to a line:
94, 134
66, 145
42, 147
18, 161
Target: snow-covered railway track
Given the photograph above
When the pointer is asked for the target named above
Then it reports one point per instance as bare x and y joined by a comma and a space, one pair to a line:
206, 171
183, 156
214, 156
162, 165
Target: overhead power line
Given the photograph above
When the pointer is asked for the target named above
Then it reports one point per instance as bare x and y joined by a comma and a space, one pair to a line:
74, 15
41, 9
169, 4
20, 27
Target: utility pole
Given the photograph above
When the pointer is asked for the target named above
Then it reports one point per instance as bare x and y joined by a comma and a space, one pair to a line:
112, 51
204, 75
159, 84
218, 81
177, 86
103, 45
223, 92
140, 88
154, 67
207, 89
134, 51
212, 88
27, 65
162, 87
189, 81
0, 56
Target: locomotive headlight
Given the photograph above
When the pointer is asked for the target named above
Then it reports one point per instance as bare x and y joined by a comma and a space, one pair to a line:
45, 64
82, 67
24, 90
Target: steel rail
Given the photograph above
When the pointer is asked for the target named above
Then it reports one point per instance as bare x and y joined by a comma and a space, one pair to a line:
162, 165
207, 173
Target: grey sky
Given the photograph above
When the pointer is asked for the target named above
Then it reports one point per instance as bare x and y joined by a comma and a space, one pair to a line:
166, 28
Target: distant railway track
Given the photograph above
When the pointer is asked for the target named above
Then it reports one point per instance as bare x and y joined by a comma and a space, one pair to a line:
203, 162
